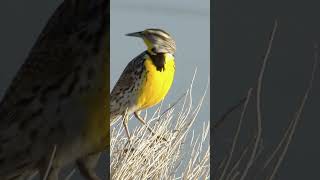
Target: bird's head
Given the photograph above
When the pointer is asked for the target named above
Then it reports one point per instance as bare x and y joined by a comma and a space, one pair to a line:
157, 40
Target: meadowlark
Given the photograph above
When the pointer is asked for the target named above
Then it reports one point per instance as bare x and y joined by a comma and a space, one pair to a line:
56, 110
147, 78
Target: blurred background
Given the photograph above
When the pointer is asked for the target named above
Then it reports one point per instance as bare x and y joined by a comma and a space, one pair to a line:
241, 31
186, 20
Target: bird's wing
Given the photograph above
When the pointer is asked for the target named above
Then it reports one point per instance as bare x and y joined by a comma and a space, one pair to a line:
49, 64
22, 104
43, 68
125, 83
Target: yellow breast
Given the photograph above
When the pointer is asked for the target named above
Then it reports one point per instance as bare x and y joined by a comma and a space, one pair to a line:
156, 84
97, 127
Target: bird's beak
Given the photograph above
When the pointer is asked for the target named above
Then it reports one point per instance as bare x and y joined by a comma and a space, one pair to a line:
135, 34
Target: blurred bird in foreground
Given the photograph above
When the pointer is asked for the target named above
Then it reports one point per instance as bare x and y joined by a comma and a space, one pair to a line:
147, 78
57, 105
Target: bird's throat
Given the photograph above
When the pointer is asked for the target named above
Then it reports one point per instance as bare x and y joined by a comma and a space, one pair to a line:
158, 60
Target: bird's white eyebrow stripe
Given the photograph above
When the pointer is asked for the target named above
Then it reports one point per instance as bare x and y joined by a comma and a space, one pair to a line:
159, 33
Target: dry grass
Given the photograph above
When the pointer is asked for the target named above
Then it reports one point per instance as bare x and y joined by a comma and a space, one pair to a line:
183, 155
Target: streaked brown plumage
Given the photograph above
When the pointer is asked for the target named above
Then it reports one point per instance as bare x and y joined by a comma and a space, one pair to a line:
59, 97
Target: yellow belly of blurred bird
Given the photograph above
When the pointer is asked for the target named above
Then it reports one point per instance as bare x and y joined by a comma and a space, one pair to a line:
96, 129
97, 126
156, 83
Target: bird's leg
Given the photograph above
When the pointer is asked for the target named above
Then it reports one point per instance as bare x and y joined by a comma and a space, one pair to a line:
137, 115
87, 165
125, 124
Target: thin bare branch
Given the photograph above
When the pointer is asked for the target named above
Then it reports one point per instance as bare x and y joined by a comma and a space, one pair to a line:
297, 117
235, 139
50, 162
227, 113
259, 113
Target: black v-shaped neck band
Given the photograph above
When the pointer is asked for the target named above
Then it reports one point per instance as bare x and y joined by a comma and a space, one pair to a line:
158, 60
